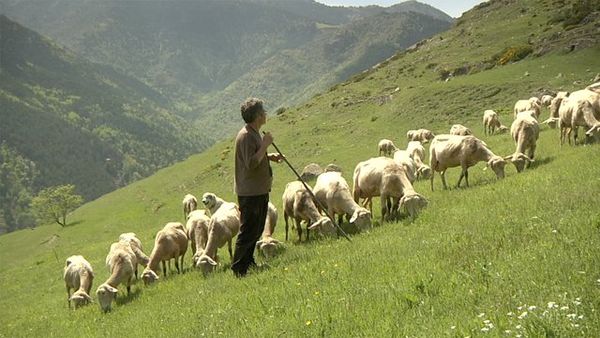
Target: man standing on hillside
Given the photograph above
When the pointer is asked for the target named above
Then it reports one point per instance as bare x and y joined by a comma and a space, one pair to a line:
253, 179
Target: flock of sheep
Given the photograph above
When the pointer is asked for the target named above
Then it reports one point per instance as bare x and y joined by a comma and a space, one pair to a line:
390, 178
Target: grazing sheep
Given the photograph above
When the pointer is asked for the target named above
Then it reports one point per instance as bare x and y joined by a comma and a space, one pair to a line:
532, 104
386, 147
417, 153
121, 261
546, 100
333, 192
268, 245
574, 113
422, 135
554, 107
525, 131
299, 204
459, 129
190, 203
197, 232
382, 176
136, 246
223, 226
490, 122
447, 151
403, 158
170, 243
78, 275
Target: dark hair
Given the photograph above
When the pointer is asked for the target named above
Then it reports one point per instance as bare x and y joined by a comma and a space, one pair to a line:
251, 108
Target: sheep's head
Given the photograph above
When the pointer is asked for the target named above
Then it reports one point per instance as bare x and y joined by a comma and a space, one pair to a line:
149, 276
197, 255
206, 264
269, 246
209, 200
502, 129
413, 204
497, 163
324, 226
80, 298
519, 160
424, 172
551, 122
106, 294
361, 218
410, 134
595, 129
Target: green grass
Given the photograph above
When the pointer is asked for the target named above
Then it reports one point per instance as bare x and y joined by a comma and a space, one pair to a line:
486, 253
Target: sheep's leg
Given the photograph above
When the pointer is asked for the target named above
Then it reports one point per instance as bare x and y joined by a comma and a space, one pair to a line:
164, 265
569, 135
431, 178
443, 175
384, 208
531, 154
575, 136
68, 297
135, 270
467, 176
230, 250
285, 217
299, 230
462, 174
177, 265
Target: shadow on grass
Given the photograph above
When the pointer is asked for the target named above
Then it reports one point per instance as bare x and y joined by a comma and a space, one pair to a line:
541, 162
72, 224
134, 294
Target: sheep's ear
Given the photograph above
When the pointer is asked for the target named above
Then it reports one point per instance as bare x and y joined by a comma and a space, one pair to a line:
259, 243
111, 289
509, 157
354, 217
315, 225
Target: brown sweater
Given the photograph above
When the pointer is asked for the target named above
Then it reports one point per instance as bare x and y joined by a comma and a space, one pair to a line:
252, 177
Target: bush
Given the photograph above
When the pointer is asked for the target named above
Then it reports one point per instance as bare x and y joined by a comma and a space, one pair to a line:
512, 54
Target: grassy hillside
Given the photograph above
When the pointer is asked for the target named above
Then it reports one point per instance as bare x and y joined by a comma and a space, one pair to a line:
506, 258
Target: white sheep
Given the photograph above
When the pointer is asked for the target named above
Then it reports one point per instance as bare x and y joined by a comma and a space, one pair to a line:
382, 176
525, 131
223, 226
121, 261
459, 129
136, 246
333, 192
299, 204
268, 245
490, 122
190, 203
422, 135
546, 100
574, 113
447, 151
386, 147
170, 243
417, 153
78, 275
532, 104
197, 232
404, 158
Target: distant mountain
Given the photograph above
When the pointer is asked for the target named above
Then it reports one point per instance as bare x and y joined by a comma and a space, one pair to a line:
80, 122
205, 55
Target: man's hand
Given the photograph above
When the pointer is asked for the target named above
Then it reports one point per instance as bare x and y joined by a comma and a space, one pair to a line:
267, 139
275, 157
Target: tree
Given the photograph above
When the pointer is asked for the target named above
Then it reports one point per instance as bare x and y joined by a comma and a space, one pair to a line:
17, 176
54, 203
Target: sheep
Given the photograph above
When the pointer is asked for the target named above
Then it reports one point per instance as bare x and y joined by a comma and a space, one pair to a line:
136, 246
490, 122
299, 205
382, 176
525, 131
223, 226
459, 129
197, 232
190, 203
170, 242
554, 107
78, 275
403, 158
121, 261
574, 113
532, 104
386, 147
546, 100
422, 135
333, 192
417, 153
267, 244
447, 151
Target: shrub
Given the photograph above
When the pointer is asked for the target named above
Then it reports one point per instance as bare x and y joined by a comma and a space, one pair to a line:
512, 54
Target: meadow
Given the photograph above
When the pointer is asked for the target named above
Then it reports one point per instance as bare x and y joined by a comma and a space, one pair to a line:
515, 257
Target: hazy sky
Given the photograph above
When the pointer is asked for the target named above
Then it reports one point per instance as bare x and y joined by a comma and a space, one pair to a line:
453, 8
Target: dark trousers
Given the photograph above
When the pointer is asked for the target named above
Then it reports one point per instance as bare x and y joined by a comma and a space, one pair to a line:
253, 211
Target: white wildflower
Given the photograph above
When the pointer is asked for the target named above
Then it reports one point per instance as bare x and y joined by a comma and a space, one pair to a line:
580, 317
532, 307
481, 315
452, 327
576, 302
564, 308
518, 327
523, 315
552, 305
507, 331
485, 329
571, 315
510, 314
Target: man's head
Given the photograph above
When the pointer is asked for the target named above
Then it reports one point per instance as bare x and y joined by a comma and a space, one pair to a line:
252, 109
